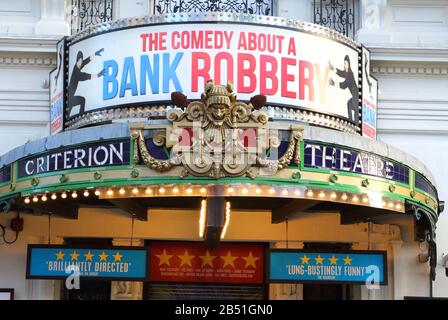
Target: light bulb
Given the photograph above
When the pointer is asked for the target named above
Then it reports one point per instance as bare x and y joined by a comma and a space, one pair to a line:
35, 199
63, 195
230, 189
110, 192
258, 191
344, 197
134, 190
121, 191
44, 198
74, 195
271, 191
355, 198
161, 190
245, 190
86, 193
333, 195
53, 196
310, 193
175, 190
27, 200
97, 192
203, 190
189, 191
321, 194
285, 192
148, 191
297, 192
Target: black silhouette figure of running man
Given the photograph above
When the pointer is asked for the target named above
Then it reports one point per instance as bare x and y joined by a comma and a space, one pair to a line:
76, 77
348, 83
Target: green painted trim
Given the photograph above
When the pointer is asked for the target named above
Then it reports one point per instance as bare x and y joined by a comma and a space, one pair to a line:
425, 193
79, 185
131, 152
354, 174
302, 155
6, 183
68, 172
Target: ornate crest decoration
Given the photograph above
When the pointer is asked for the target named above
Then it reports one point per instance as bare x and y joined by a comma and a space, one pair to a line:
218, 137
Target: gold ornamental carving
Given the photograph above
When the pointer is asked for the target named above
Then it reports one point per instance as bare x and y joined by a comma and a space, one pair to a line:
218, 137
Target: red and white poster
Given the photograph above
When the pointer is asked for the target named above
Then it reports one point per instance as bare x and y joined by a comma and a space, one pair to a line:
192, 262
146, 64
369, 98
57, 90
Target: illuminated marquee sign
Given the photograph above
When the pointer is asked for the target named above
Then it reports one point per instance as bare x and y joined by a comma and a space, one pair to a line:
145, 64
304, 266
99, 154
328, 157
192, 262
58, 262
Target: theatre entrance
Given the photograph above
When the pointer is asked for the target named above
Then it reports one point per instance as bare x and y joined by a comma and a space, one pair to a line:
327, 291
88, 289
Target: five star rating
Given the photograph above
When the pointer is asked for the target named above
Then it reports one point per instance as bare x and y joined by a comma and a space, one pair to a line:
207, 259
74, 256
325, 268
319, 260
88, 263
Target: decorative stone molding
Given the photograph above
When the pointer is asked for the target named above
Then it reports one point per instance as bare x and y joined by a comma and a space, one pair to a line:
27, 61
411, 70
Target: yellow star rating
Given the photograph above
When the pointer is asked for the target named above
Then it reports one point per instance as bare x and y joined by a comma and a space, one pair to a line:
88, 256
250, 260
207, 260
164, 258
117, 256
228, 260
60, 255
103, 256
185, 259
319, 259
74, 255
305, 259
333, 260
347, 260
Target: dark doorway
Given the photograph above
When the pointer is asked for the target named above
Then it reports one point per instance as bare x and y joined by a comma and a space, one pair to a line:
89, 289
327, 291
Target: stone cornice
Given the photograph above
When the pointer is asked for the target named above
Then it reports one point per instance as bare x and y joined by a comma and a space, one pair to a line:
39, 61
31, 45
411, 69
434, 55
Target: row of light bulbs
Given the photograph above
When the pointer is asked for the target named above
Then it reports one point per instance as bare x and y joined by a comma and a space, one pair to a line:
244, 190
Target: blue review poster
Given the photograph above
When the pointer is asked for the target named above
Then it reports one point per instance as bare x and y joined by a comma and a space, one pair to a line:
47, 262
342, 267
